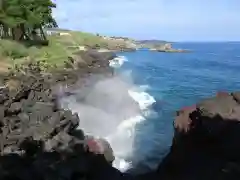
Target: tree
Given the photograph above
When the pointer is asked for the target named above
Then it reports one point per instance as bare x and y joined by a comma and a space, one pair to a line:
23, 17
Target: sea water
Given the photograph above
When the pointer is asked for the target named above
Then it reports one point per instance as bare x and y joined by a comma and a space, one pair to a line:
159, 84
171, 81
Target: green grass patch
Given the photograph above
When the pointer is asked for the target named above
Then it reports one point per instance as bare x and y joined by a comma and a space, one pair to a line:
12, 49
59, 48
88, 39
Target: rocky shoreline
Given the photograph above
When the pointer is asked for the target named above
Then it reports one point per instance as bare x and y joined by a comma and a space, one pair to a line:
206, 141
40, 140
205, 144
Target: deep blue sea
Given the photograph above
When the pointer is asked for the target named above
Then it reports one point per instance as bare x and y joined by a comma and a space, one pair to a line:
176, 80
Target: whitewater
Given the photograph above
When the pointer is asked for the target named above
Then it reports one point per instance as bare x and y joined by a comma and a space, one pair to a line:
106, 110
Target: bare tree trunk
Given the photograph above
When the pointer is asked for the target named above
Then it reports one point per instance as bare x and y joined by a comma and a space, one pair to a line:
13, 35
1, 4
22, 28
17, 33
29, 33
2, 32
42, 33
5, 31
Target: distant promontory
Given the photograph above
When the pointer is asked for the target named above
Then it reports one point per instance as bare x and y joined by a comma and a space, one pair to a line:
160, 46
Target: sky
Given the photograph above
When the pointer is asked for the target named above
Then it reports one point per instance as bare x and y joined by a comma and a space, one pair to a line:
172, 20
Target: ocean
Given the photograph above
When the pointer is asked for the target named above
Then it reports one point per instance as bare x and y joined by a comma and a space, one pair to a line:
141, 133
175, 80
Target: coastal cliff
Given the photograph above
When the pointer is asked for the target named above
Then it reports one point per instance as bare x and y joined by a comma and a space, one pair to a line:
159, 46
39, 139
168, 49
206, 141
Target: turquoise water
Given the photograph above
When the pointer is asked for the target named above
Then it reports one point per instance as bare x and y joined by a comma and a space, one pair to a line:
176, 80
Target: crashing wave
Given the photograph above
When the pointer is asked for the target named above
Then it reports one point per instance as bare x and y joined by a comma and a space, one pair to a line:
112, 113
122, 140
142, 98
117, 62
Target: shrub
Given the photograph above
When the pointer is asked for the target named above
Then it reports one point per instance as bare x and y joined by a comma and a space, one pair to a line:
12, 49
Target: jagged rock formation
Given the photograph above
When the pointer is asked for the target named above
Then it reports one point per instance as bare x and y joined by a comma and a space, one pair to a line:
206, 142
38, 139
32, 126
205, 145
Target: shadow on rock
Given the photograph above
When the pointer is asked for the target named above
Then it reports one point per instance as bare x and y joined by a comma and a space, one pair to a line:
206, 142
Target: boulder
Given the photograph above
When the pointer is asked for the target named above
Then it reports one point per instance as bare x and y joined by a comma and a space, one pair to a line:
100, 146
15, 108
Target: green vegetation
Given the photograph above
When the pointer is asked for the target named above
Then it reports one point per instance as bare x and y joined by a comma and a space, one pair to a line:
23, 38
89, 40
22, 35
20, 19
59, 48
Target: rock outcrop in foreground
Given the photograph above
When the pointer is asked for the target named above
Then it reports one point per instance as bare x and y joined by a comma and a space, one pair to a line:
206, 142
38, 139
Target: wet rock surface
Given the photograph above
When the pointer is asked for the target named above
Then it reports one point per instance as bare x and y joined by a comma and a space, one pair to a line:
206, 141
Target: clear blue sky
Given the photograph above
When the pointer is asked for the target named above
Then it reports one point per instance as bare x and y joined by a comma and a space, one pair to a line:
175, 20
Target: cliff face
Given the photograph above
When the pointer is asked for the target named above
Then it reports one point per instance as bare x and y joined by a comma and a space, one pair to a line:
206, 142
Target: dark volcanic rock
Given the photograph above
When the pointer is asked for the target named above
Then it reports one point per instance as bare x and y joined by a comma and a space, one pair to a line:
3, 95
103, 56
38, 140
93, 58
100, 146
15, 108
206, 142
82, 64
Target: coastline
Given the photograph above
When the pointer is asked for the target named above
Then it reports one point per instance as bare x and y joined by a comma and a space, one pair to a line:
34, 95
30, 100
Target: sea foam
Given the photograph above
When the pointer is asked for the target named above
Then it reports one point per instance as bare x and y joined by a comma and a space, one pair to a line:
111, 108
127, 128
117, 62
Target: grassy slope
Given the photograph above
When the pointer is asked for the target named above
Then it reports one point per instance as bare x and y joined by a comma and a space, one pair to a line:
59, 49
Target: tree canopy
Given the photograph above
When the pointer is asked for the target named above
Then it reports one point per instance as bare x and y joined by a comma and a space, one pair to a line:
23, 16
